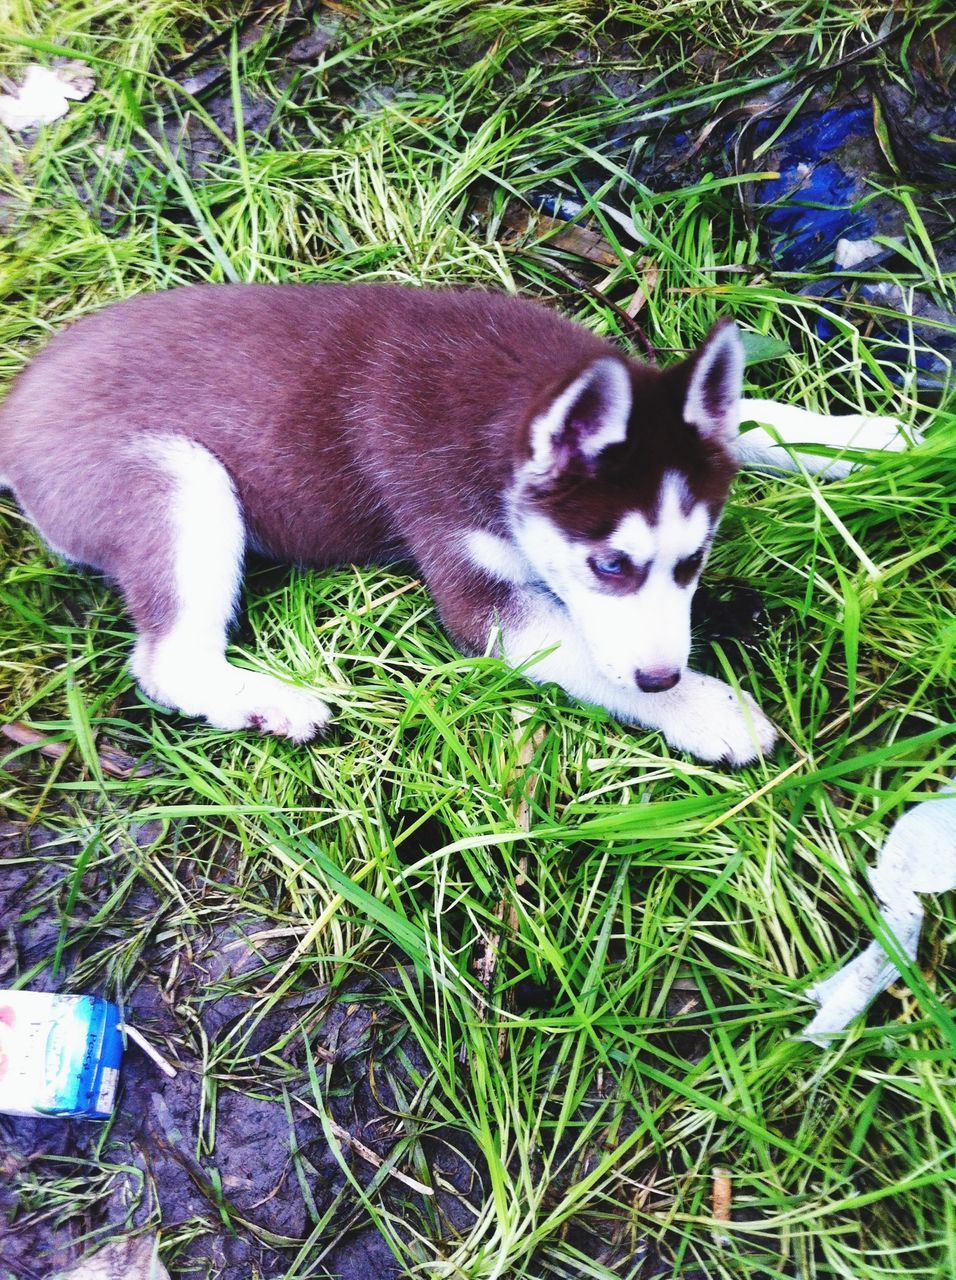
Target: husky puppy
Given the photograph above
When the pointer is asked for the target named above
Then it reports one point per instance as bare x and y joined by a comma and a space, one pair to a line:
558, 498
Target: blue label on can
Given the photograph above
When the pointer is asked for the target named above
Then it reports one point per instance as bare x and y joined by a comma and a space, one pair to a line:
59, 1055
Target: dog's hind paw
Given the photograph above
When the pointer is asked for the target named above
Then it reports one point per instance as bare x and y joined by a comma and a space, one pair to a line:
780, 447
859, 431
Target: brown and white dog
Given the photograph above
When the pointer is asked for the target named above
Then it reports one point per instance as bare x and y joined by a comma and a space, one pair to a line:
558, 498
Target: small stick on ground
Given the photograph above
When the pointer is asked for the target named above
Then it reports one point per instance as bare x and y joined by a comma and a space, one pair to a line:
154, 1055
486, 963
367, 1153
722, 1194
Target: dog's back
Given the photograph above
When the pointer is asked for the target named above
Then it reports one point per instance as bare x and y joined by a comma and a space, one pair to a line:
343, 414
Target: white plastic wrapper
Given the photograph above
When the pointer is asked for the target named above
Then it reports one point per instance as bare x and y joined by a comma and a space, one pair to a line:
45, 94
919, 856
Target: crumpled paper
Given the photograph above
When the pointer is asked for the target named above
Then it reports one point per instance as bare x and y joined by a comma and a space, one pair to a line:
919, 856
45, 94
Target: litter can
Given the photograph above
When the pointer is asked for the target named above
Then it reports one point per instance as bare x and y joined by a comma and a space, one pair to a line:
59, 1054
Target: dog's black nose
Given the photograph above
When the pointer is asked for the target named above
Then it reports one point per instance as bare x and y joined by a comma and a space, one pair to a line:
656, 680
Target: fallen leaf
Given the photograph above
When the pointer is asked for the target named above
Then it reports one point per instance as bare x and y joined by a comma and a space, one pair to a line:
641, 296
580, 239
114, 762
577, 238
122, 1260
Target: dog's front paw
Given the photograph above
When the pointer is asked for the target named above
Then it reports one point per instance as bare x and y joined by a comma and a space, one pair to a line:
252, 700
286, 712
717, 724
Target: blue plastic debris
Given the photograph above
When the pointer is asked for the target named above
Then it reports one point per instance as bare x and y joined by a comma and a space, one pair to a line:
827, 208
823, 194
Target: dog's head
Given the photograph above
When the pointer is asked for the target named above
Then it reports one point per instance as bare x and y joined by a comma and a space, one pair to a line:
622, 477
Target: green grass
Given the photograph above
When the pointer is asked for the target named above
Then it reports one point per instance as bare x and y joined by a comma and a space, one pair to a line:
668, 914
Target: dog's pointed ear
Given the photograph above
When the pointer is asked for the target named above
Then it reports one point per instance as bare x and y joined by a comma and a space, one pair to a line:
715, 384
591, 413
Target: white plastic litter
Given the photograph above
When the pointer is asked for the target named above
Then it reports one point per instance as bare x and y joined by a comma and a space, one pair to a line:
44, 95
919, 856
850, 253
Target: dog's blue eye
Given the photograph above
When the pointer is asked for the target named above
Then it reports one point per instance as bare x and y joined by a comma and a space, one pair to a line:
610, 566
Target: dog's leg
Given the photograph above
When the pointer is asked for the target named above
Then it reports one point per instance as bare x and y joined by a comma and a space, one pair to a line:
182, 596
761, 449
701, 715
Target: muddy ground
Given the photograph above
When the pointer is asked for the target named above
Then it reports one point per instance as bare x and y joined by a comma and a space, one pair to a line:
241, 1200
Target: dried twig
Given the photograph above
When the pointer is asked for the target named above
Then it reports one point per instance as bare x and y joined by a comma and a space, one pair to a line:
368, 1154
360, 1149
628, 323
154, 1055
